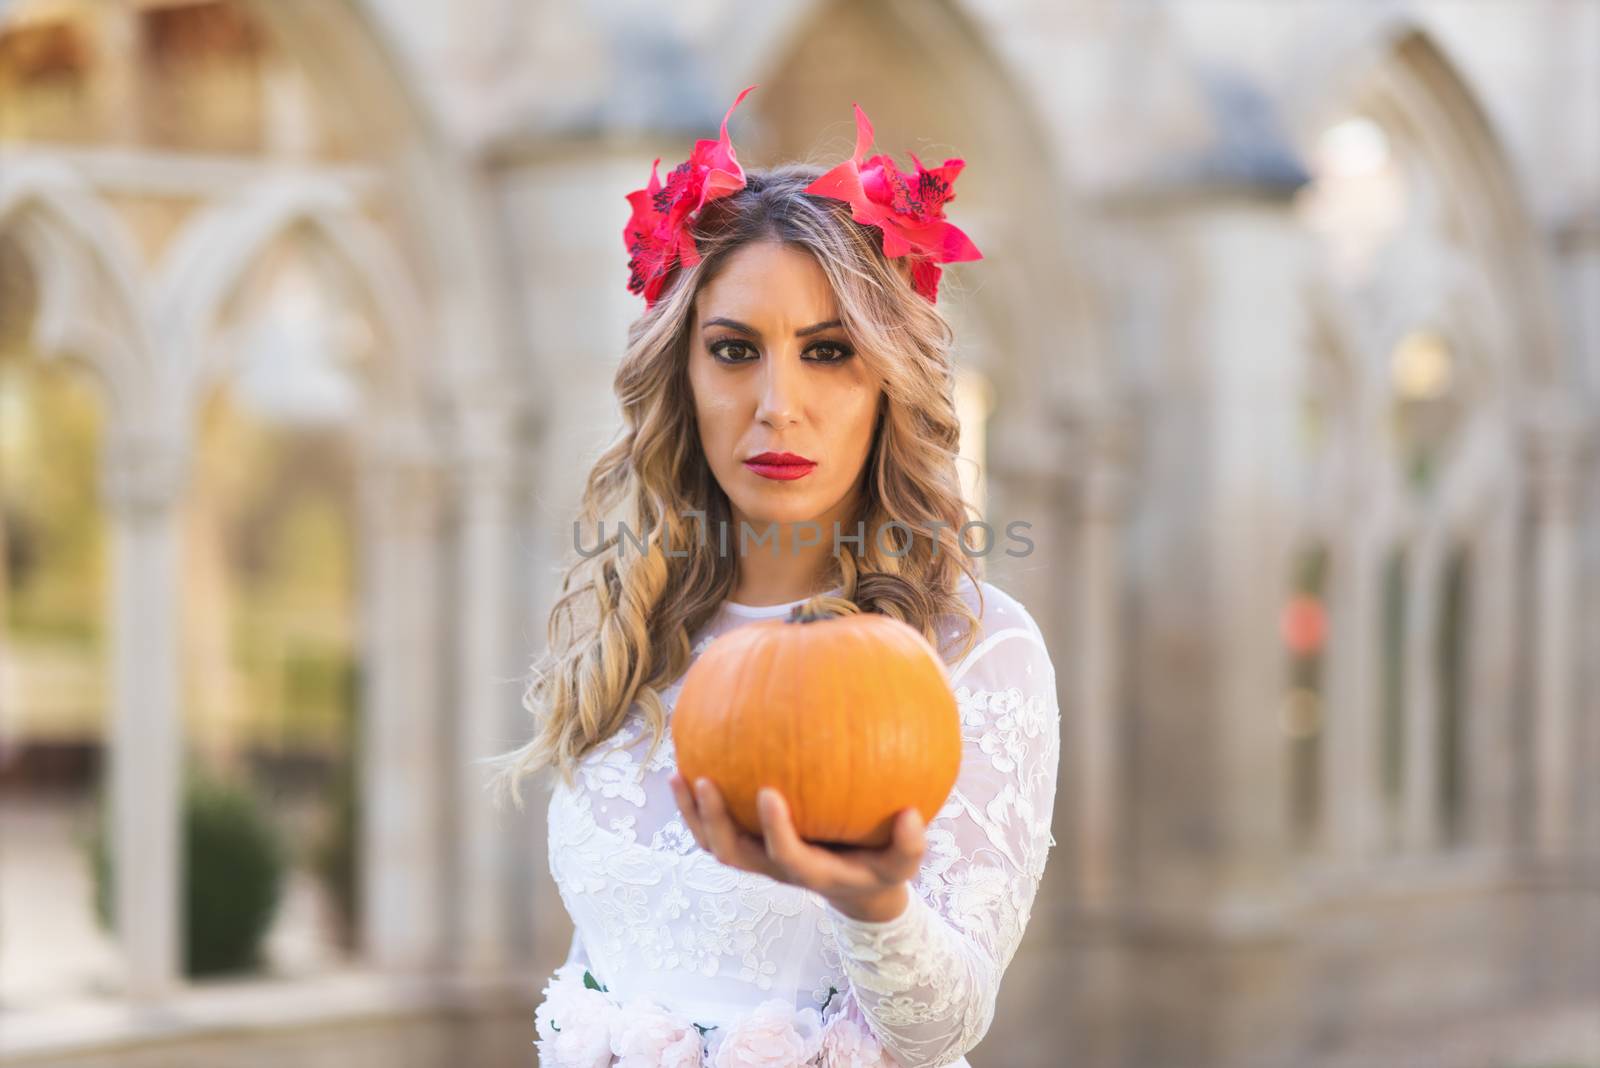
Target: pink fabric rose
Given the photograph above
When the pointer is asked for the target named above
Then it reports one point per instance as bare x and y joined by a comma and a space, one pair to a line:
573, 1022
772, 1035
847, 1041
647, 1036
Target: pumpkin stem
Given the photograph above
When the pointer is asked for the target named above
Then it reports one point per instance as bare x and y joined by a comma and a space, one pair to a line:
822, 606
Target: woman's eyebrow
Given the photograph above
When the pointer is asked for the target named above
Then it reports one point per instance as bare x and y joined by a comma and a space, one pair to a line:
735, 324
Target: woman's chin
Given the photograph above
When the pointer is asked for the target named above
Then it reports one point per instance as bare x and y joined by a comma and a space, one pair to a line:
762, 513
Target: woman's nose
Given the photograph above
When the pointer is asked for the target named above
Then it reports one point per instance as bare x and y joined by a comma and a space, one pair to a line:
782, 383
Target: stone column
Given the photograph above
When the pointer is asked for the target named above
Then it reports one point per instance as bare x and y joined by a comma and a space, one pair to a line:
1250, 324
1032, 468
1496, 710
574, 309
1554, 440
487, 715
1101, 497
1351, 783
1419, 800
1211, 538
1216, 333
402, 770
143, 482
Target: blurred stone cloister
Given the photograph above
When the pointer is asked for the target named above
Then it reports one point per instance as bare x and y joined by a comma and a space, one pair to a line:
1286, 343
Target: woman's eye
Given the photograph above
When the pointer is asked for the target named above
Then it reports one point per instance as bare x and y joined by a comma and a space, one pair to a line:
831, 353
720, 350
730, 351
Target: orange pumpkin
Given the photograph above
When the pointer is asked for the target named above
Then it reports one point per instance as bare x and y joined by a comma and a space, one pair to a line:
849, 715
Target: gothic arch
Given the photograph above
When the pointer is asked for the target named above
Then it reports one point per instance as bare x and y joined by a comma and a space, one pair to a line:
1472, 273
433, 278
90, 295
346, 52
1042, 357
1392, 69
211, 258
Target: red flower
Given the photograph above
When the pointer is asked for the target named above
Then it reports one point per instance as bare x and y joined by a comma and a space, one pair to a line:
907, 208
657, 235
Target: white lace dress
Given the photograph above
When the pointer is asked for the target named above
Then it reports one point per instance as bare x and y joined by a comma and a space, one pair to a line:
680, 960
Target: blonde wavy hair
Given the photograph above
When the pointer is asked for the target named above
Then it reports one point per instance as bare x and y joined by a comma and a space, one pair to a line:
619, 632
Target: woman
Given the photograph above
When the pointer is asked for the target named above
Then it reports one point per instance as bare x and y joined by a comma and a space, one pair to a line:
791, 377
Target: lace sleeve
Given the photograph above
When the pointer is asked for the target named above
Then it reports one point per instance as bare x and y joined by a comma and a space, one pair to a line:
927, 980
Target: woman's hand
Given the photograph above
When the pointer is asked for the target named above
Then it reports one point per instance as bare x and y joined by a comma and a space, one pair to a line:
864, 884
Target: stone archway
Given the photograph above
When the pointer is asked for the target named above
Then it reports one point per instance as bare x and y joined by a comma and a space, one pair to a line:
401, 450
92, 306
446, 447
1443, 725
90, 284
1388, 64
1483, 281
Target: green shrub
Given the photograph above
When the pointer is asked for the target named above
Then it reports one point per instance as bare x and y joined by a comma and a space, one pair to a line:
335, 856
336, 853
235, 862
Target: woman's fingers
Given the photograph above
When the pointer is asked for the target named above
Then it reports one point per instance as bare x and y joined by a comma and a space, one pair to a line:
910, 844
782, 854
802, 863
827, 871
783, 843
900, 859
728, 844
690, 810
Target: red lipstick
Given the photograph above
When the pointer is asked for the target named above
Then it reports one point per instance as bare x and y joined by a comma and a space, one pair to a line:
780, 465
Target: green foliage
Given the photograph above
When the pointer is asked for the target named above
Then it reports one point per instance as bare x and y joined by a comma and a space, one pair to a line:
235, 862
51, 420
335, 856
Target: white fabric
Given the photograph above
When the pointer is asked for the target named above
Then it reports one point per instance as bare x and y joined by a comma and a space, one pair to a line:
658, 918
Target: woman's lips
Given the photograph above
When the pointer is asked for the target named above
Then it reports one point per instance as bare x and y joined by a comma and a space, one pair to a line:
782, 466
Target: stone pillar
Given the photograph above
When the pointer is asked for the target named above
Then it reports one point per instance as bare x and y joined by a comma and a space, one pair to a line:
1419, 800
574, 310
1032, 467
143, 481
1251, 329
1097, 774
1351, 783
487, 714
1498, 715
402, 793
1554, 440
1208, 898
1578, 247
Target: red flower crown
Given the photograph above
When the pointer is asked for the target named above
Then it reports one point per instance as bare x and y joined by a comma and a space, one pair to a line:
906, 207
